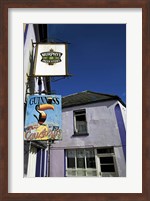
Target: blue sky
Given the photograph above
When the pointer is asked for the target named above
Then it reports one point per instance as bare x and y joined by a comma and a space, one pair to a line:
96, 58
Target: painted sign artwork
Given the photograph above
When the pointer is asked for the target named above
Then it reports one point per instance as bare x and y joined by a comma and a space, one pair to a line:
43, 119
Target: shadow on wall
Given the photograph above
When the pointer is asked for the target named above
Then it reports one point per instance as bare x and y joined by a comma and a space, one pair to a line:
121, 127
31, 80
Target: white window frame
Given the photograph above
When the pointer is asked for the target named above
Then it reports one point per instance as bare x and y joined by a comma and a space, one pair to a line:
79, 169
75, 121
100, 173
97, 164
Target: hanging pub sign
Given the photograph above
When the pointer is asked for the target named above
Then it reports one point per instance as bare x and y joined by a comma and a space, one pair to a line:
50, 59
43, 118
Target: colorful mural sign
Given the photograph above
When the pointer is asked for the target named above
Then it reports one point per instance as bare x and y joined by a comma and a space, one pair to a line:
43, 120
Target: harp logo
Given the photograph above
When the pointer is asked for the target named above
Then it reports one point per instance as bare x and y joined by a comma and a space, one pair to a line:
51, 57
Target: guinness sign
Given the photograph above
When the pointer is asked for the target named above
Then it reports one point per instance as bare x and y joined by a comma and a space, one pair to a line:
43, 118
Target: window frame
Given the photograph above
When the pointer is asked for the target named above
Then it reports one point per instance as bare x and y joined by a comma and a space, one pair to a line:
111, 154
76, 169
76, 133
97, 169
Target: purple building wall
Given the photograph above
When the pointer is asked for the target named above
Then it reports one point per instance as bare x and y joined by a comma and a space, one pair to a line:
102, 129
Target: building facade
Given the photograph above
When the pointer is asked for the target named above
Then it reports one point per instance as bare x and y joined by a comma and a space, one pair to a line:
94, 137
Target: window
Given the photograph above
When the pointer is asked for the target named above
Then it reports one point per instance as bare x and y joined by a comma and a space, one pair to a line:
107, 162
80, 124
80, 162
105, 150
91, 162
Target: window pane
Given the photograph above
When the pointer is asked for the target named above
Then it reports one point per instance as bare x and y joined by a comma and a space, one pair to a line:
71, 162
71, 173
71, 153
81, 173
105, 150
107, 168
90, 162
106, 160
80, 153
80, 117
80, 163
90, 153
81, 126
91, 173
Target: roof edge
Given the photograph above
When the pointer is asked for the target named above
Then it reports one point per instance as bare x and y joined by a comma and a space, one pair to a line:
109, 99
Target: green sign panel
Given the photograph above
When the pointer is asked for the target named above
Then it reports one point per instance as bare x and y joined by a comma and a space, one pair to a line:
51, 57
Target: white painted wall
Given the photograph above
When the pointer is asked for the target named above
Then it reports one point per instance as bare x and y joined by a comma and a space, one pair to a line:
121, 165
28, 53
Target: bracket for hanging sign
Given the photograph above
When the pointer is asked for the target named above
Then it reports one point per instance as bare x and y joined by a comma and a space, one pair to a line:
43, 92
63, 76
50, 42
